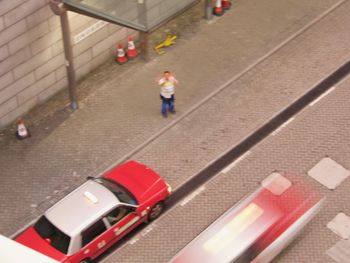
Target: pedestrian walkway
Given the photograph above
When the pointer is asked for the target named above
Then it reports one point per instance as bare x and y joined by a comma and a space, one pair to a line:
120, 118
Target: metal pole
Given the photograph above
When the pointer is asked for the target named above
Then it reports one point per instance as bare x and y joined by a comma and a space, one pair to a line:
68, 53
58, 8
142, 19
208, 10
144, 45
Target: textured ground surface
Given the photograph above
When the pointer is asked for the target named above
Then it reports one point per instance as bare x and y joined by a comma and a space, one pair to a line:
217, 106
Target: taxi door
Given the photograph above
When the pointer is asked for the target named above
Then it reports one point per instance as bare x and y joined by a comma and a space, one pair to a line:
122, 220
93, 242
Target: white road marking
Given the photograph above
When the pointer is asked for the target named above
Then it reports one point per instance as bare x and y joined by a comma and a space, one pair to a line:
143, 234
321, 97
235, 162
280, 128
192, 195
134, 240
146, 231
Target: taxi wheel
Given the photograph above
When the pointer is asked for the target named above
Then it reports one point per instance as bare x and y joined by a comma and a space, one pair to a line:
86, 260
156, 210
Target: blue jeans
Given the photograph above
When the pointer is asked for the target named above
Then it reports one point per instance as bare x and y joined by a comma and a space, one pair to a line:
168, 102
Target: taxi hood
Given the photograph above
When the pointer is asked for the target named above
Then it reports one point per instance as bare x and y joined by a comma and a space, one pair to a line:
139, 179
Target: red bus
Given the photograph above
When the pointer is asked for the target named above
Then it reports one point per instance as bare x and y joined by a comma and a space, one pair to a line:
258, 227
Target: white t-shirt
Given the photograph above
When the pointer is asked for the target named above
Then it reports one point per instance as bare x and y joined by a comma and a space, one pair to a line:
167, 87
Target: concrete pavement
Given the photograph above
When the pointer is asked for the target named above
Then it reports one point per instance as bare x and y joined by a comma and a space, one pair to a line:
124, 112
321, 129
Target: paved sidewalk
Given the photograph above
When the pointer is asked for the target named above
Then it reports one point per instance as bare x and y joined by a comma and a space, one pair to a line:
321, 129
125, 111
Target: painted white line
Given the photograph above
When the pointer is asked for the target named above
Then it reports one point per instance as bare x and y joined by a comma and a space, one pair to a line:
280, 128
235, 162
134, 240
142, 234
146, 231
321, 97
192, 195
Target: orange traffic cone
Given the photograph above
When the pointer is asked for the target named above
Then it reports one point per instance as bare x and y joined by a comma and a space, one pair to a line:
132, 52
218, 10
226, 4
121, 58
22, 131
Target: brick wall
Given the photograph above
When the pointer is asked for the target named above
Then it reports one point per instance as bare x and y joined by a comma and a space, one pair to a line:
31, 53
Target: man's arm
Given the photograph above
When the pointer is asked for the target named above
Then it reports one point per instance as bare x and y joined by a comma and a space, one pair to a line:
175, 80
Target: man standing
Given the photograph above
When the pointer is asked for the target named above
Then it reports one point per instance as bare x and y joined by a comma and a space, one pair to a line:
167, 91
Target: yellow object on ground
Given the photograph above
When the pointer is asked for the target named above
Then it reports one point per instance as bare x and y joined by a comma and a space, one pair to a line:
169, 41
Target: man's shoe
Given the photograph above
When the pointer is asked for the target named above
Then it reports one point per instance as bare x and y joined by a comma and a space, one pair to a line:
173, 112
165, 115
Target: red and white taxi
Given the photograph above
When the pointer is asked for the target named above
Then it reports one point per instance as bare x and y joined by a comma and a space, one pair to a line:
96, 215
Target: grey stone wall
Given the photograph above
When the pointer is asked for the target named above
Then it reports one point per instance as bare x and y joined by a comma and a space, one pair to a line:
31, 53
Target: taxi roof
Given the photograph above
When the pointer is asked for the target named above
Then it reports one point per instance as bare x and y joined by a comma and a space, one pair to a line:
81, 208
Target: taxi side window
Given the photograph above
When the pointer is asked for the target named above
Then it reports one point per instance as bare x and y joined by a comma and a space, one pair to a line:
117, 214
92, 232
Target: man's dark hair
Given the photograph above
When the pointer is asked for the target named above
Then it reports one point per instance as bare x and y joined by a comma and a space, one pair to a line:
167, 71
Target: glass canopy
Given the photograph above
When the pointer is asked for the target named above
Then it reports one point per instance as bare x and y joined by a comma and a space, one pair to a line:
143, 15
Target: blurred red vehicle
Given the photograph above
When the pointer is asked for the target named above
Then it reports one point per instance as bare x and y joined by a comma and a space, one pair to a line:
258, 227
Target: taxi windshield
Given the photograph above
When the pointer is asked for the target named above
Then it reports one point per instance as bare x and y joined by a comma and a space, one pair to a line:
52, 234
118, 190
